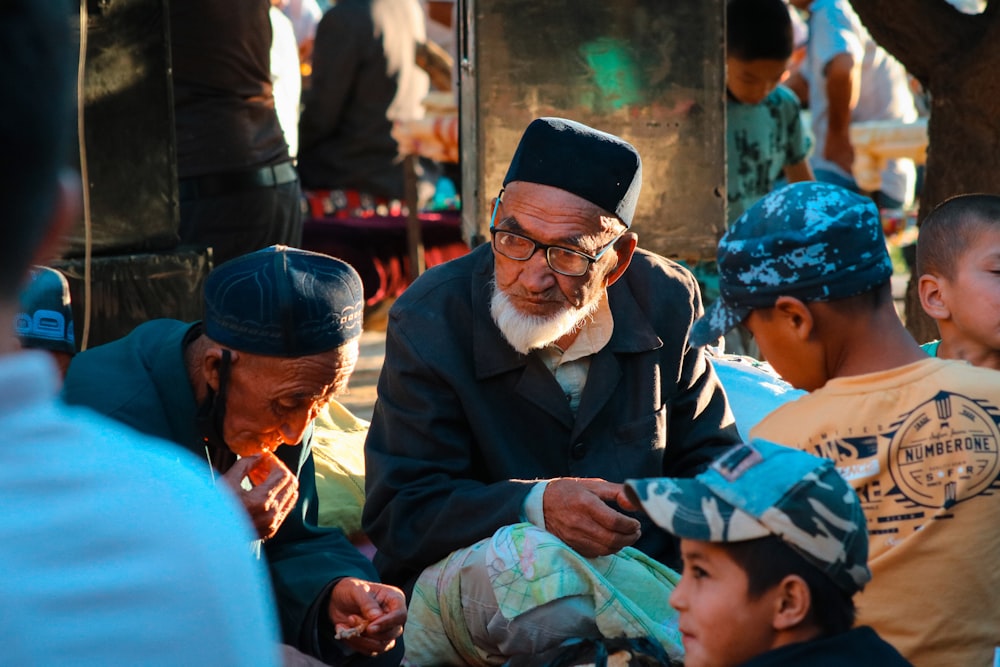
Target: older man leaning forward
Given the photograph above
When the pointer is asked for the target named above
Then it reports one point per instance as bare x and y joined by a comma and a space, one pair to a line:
523, 383
241, 390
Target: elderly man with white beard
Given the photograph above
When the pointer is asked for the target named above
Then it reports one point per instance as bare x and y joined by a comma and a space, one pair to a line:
523, 383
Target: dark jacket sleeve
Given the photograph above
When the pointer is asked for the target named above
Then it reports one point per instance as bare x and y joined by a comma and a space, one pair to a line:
424, 494
701, 424
305, 558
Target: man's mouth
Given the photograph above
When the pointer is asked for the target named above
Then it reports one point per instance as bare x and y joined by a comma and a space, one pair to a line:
536, 301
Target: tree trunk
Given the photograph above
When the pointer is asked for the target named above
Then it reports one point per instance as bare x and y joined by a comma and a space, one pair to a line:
956, 57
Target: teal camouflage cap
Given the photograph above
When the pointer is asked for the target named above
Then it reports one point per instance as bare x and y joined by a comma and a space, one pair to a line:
45, 317
813, 241
758, 489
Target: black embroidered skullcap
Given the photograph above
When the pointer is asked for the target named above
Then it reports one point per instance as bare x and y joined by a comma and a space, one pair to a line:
283, 302
600, 167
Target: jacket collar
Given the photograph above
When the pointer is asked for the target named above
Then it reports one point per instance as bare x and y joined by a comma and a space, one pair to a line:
170, 374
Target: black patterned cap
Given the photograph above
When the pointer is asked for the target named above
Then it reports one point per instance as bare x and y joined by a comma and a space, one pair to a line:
600, 167
283, 302
812, 241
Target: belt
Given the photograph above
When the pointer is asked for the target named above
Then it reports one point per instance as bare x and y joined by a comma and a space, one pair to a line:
215, 185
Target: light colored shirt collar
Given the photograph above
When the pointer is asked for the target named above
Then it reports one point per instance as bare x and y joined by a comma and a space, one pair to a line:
594, 334
572, 366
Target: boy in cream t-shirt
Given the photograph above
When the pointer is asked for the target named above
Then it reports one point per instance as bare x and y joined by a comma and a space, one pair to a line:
806, 270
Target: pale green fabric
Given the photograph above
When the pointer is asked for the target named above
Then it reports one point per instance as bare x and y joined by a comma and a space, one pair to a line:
528, 568
339, 455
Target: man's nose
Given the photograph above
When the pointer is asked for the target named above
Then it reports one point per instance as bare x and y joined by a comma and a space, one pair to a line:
295, 427
537, 275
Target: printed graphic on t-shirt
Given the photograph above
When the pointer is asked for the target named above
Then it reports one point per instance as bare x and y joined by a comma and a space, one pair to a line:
942, 453
945, 452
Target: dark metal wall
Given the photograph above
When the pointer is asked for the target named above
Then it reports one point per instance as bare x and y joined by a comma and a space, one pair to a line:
647, 70
128, 129
137, 272
129, 289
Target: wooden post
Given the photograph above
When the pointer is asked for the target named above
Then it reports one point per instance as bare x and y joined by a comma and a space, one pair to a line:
414, 239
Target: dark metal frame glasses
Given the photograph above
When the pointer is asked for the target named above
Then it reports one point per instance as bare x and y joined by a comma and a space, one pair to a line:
562, 260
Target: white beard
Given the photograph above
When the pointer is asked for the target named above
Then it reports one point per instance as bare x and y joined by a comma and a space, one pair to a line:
532, 332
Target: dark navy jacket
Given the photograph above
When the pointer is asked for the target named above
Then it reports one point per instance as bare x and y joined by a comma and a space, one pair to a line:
464, 423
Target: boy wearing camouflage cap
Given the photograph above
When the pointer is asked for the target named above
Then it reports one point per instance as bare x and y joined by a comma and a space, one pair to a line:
774, 547
807, 271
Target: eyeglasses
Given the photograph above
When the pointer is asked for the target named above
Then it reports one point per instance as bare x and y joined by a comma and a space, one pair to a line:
562, 260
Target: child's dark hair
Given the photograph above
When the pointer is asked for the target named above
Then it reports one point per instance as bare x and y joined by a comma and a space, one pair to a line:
768, 560
758, 30
865, 303
951, 228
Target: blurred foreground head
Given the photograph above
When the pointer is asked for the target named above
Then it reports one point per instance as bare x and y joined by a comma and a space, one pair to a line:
36, 130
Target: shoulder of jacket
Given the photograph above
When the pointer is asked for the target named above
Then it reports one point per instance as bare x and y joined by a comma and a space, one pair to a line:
648, 268
439, 286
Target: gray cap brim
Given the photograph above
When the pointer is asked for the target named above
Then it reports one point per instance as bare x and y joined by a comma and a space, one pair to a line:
688, 509
717, 320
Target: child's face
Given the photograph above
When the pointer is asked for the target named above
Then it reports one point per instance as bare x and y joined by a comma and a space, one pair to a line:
797, 361
720, 624
972, 296
750, 81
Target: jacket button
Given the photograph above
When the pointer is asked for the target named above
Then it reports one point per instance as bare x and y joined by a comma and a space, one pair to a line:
578, 451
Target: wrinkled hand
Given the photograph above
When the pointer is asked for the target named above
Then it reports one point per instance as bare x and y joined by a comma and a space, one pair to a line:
576, 511
270, 501
375, 611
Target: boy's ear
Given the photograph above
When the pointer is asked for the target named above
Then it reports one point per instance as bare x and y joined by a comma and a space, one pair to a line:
792, 603
932, 297
796, 316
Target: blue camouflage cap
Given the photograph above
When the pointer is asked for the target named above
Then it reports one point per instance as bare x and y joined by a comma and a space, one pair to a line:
283, 302
758, 489
45, 317
813, 241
